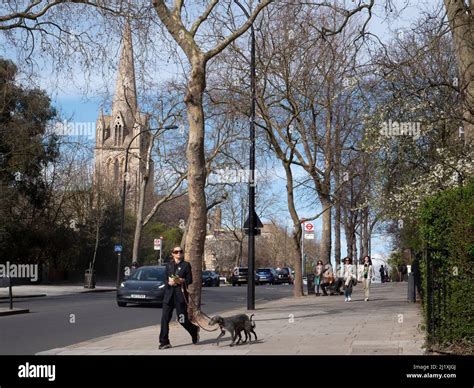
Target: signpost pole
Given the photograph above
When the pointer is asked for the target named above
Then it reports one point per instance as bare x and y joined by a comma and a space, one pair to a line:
10, 293
158, 246
302, 251
161, 249
119, 265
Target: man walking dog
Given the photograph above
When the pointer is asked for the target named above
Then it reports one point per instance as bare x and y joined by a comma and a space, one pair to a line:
179, 276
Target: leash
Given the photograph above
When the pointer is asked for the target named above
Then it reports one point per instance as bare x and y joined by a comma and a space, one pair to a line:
187, 299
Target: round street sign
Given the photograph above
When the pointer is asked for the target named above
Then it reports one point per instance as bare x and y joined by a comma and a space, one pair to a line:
308, 227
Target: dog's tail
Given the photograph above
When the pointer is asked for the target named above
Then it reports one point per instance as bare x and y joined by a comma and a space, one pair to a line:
252, 322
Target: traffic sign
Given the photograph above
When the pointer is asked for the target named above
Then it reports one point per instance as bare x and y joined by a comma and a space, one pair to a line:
157, 244
309, 227
309, 236
118, 248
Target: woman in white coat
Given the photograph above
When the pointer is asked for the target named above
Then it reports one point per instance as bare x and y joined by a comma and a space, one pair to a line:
367, 273
349, 278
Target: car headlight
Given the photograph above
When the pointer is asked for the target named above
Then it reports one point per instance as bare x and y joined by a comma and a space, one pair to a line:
122, 285
161, 286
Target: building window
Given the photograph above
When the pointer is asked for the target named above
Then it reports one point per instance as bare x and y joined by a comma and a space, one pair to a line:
116, 170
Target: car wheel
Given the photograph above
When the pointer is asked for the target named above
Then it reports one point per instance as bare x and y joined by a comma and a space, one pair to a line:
233, 284
218, 283
122, 304
240, 284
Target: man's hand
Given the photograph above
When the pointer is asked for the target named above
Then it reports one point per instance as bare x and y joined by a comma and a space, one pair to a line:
175, 281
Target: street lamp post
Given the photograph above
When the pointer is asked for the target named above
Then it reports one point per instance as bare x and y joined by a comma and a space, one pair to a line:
251, 218
124, 187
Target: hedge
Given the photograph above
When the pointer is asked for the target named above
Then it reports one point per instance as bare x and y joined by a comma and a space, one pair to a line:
447, 234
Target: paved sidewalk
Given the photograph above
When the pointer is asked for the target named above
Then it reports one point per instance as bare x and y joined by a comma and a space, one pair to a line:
29, 291
387, 324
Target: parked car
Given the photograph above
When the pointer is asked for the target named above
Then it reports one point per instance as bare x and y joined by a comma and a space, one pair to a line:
210, 279
146, 285
267, 275
239, 276
284, 275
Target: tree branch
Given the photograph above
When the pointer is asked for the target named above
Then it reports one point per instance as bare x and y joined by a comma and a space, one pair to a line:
221, 46
202, 18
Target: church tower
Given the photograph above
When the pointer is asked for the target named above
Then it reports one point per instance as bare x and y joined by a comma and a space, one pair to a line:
114, 133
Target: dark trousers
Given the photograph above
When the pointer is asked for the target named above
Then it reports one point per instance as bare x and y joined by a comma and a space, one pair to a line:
182, 316
335, 287
324, 286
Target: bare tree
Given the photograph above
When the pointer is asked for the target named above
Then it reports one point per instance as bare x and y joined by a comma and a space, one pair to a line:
198, 54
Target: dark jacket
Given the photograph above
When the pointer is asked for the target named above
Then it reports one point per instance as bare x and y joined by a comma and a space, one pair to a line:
183, 270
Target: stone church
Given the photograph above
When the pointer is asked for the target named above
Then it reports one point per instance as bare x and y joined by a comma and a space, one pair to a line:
114, 133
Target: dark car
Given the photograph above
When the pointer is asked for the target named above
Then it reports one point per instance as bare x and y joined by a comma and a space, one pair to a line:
284, 275
239, 276
210, 279
267, 275
146, 285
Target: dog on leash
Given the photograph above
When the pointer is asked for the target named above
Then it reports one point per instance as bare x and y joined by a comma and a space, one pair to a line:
235, 325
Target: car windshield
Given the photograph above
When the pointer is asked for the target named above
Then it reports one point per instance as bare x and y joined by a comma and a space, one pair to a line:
149, 274
206, 273
243, 270
284, 271
264, 270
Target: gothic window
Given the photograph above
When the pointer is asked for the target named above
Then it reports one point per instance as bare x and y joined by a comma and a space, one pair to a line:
116, 170
116, 135
106, 133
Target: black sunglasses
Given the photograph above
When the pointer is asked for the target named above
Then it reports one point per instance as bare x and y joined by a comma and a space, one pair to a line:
178, 251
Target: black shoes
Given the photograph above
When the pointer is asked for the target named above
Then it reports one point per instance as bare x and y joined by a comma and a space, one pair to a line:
164, 346
196, 337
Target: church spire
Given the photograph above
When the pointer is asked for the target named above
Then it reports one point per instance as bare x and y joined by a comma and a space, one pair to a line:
125, 97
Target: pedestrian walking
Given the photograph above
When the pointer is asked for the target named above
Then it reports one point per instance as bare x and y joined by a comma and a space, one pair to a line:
382, 274
367, 274
349, 278
318, 274
339, 279
179, 277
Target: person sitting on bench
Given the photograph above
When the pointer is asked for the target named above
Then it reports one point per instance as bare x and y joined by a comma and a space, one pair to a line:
327, 278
